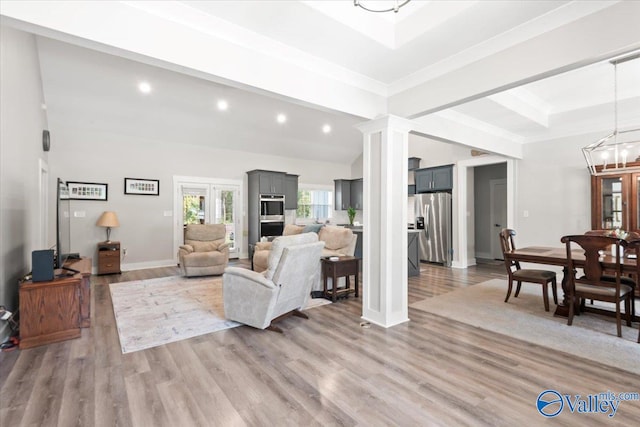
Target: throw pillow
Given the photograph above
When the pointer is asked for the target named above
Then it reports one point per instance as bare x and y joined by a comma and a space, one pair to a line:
336, 237
312, 228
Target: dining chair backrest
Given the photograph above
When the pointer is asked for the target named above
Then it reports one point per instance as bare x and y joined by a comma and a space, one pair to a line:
594, 246
507, 243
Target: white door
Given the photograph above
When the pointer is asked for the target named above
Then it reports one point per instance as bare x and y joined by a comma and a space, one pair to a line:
227, 212
498, 200
206, 201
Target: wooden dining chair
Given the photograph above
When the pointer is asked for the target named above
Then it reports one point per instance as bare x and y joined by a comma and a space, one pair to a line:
593, 284
630, 280
635, 244
519, 275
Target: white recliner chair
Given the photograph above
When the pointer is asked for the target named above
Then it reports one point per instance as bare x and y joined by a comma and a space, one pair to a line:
260, 299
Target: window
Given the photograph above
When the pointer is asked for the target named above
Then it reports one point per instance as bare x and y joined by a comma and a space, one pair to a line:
315, 204
193, 209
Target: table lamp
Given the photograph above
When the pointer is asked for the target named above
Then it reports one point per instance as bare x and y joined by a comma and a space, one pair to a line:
108, 219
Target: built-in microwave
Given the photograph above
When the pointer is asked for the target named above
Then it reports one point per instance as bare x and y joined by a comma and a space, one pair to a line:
271, 208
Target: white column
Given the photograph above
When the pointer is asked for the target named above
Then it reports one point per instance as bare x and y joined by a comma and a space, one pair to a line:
386, 149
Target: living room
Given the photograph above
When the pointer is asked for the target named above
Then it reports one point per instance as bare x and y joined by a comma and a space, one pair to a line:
549, 173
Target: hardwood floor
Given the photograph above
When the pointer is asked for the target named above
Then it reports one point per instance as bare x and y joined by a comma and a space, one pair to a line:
323, 371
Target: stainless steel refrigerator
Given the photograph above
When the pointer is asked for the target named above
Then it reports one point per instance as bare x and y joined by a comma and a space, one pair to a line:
433, 217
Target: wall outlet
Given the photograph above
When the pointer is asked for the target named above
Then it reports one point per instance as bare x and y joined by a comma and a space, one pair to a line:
124, 251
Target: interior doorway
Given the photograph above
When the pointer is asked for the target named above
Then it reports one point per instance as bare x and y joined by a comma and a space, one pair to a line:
490, 209
466, 204
209, 201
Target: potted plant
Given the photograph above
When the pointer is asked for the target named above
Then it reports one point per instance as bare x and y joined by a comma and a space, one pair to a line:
352, 214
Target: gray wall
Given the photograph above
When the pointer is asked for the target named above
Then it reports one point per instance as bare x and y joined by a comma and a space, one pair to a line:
22, 120
484, 231
144, 230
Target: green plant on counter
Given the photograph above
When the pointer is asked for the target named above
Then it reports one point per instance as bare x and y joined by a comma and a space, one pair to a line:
352, 214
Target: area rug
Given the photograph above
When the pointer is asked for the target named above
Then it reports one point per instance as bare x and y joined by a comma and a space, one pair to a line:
155, 312
591, 336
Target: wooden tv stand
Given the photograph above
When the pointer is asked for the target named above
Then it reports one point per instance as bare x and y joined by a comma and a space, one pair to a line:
56, 310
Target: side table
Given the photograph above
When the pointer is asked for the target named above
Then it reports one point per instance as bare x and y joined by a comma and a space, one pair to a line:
109, 258
345, 266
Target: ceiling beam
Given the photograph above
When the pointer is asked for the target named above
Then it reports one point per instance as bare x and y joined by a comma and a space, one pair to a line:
457, 128
607, 33
174, 36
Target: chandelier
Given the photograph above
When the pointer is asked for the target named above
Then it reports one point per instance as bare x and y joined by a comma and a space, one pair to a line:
395, 7
620, 150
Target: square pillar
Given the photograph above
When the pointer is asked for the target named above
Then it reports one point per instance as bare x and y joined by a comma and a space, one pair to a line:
384, 249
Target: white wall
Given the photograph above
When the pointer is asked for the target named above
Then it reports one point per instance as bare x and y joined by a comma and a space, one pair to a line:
144, 230
554, 186
21, 123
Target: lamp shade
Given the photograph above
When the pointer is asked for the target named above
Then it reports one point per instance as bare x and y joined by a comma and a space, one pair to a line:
108, 219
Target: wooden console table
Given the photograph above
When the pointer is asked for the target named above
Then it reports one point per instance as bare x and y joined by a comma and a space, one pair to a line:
56, 310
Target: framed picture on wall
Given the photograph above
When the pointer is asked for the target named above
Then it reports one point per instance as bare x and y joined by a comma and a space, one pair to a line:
144, 187
87, 191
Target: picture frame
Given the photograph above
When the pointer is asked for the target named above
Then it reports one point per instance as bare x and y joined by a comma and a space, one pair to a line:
142, 187
87, 191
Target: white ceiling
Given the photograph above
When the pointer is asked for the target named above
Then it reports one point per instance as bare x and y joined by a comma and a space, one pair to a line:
382, 53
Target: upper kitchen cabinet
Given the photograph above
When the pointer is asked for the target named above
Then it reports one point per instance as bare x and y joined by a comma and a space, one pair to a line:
348, 194
342, 194
356, 193
270, 182
291, 192
430, 180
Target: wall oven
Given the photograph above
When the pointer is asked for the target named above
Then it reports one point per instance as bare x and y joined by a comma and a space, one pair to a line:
271, 208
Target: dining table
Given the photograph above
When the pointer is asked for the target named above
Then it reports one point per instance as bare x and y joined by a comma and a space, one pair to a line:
558, 256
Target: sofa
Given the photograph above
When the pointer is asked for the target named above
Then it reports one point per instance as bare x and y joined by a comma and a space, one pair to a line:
261, 299
338, 241
204, 251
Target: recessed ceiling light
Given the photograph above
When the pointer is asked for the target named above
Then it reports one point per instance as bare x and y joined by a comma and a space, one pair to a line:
222, 105
326, 128
144, 87
281, 118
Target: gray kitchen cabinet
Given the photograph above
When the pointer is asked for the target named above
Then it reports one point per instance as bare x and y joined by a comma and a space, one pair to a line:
270, 182
348, 192
356, 193
429, 180
413, 253
342, 194
291, 192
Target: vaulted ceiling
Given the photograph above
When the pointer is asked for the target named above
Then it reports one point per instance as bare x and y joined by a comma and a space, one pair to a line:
507, 72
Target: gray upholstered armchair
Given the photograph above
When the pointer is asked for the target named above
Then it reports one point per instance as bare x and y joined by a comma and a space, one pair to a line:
259, 299
204, 251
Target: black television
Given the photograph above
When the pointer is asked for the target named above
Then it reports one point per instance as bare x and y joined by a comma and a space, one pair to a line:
63, 227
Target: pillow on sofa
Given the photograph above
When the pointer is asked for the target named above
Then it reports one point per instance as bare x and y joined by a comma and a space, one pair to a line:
335, 237
291, 229
315, 228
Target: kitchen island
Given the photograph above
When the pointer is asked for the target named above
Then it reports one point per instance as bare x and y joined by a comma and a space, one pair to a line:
413, 255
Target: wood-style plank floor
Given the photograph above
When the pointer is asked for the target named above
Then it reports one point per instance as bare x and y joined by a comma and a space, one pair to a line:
327, 370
